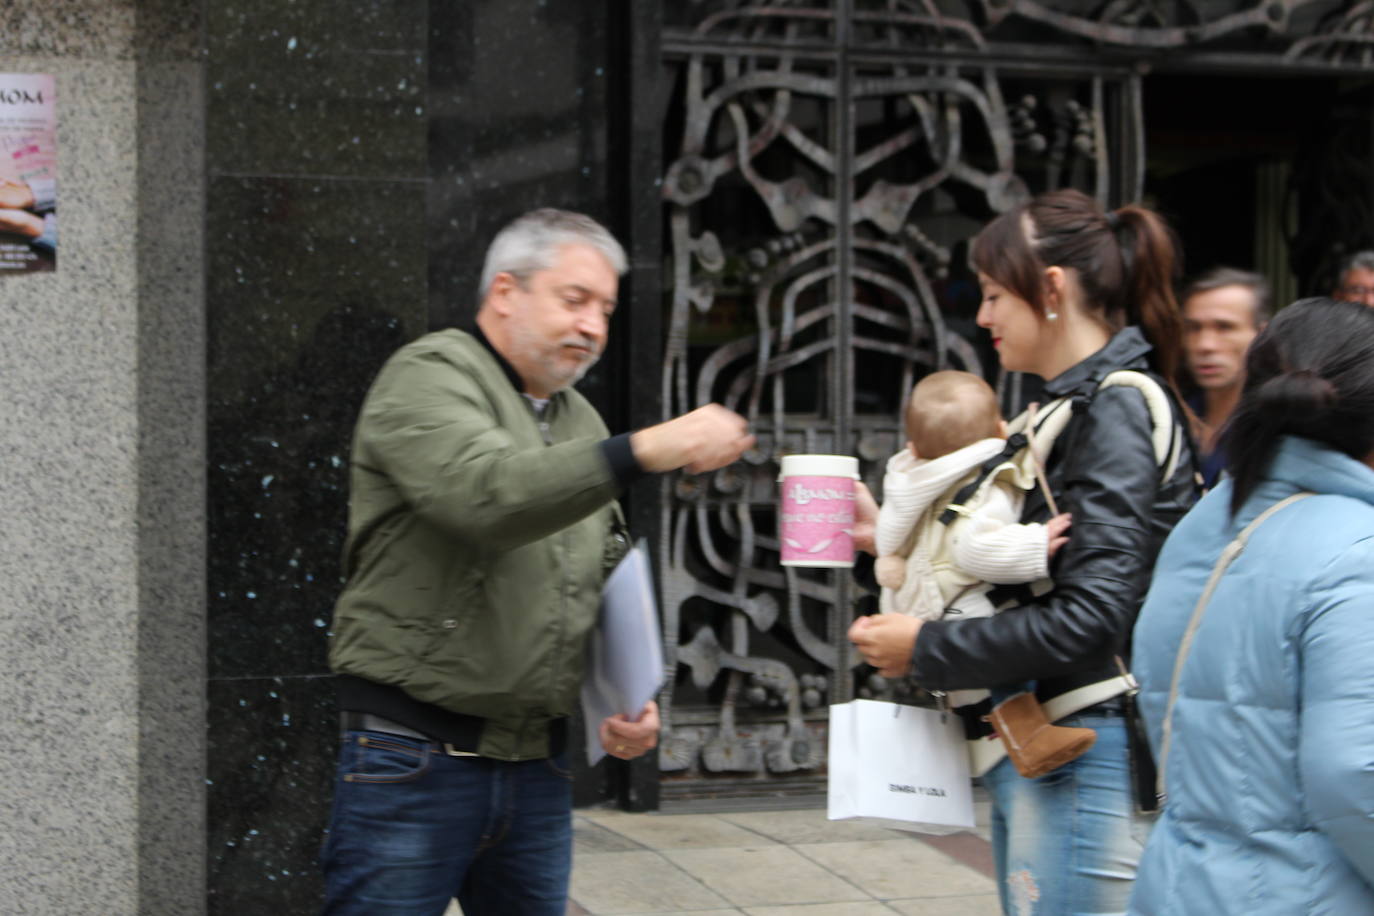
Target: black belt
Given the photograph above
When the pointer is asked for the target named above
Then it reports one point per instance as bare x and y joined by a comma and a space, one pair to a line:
368, 722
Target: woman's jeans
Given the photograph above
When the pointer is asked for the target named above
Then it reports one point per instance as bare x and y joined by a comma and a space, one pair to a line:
413, 828
1069, 842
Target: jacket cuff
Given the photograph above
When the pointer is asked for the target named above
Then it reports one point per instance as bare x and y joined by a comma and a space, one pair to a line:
621, 458
927, 666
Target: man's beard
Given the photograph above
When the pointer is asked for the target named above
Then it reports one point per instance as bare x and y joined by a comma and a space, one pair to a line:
554, 375
577, 373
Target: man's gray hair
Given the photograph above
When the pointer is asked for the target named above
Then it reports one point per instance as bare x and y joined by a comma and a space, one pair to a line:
530, 243
1218, 277
1361, 260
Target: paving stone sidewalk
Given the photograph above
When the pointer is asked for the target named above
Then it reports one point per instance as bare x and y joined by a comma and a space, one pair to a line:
774, 863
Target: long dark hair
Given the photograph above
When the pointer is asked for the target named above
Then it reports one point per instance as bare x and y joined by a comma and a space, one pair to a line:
1309, 373
1124, 259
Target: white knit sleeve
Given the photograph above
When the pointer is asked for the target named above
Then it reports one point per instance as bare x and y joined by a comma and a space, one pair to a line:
899, 510
990, 545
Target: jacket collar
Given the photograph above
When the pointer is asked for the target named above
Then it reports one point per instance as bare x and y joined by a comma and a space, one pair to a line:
1307, 465
1126, 350
516, 381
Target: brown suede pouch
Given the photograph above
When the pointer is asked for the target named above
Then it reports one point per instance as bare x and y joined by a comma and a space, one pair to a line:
1036, 746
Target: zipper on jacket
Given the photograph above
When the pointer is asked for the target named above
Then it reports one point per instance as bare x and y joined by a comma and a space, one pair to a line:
541, 419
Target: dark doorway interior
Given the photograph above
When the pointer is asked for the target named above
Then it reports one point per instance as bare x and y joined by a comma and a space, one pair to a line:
1263, 173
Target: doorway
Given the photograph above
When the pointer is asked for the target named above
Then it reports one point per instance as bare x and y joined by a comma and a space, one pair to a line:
1264, 174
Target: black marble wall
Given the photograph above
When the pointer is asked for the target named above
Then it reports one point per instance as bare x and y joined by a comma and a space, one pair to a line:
361, 153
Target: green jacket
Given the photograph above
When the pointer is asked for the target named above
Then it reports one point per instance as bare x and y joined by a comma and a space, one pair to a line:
478, 540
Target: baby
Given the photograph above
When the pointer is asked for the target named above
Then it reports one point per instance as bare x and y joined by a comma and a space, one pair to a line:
948, 531
937, 559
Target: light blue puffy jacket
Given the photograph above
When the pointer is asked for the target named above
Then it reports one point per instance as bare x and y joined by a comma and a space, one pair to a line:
1271, 770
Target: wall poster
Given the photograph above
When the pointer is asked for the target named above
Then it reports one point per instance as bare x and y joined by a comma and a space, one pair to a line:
28, 172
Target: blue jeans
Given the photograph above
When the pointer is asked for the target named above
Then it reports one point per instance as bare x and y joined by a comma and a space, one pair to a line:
1069, 842
413, 828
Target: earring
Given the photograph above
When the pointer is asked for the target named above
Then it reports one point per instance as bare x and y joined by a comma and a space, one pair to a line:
1051, 316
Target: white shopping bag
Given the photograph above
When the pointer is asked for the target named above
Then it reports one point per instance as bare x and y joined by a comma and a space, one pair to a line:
899, 766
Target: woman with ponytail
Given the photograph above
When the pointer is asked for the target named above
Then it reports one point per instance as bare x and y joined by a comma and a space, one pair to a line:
1268, 756
1072, 294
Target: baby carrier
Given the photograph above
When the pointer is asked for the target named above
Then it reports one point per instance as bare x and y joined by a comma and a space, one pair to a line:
922, 576
1033, 435
1034, 432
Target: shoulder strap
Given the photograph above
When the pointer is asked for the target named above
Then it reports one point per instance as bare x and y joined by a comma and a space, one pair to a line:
1164, 431
1015, 442
1185, 645
1039, 431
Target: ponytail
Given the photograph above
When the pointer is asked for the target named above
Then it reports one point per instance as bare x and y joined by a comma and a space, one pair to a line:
1309, 373
1148, 261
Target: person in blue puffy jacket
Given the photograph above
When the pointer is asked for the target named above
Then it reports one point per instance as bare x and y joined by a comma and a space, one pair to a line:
1265, 734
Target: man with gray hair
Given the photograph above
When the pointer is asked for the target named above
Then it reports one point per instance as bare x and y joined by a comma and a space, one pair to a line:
1355, 278
482, 523
1223, 310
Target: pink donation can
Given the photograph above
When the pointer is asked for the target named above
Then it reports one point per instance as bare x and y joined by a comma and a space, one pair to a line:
816, 518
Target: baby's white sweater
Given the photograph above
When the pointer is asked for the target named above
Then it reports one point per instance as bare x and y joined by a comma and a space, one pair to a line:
985, 543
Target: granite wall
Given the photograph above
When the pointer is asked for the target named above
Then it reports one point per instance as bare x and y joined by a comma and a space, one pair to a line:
316, 269
102, 555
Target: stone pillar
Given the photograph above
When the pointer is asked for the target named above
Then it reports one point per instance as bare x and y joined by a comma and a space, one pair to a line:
102, 472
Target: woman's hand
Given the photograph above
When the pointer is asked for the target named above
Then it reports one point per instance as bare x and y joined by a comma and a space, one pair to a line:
886, 641
865, 519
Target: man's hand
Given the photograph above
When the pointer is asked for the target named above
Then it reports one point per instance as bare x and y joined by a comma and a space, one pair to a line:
1056, 529
886, 641
865, 519
628, 739
709, 437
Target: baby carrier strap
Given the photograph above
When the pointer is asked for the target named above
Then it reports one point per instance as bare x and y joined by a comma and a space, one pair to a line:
1165, 434
1015, 442
1030, 445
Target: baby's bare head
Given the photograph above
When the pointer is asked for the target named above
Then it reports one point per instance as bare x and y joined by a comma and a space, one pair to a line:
949, 410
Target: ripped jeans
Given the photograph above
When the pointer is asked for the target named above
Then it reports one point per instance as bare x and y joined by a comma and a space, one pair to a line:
1068, 843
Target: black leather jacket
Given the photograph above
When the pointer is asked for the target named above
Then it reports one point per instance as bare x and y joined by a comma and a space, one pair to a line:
1102, 469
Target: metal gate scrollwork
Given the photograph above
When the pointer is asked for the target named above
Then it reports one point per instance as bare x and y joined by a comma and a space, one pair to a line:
827, 163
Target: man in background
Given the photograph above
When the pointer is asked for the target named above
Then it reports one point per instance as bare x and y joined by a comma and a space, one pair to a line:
482, 523
1223, 310
1355, 279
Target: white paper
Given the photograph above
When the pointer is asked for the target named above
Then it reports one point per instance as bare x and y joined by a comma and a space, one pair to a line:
901, 767
625, 651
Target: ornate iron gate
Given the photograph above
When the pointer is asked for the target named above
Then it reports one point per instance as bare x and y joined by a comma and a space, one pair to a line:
827, 163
